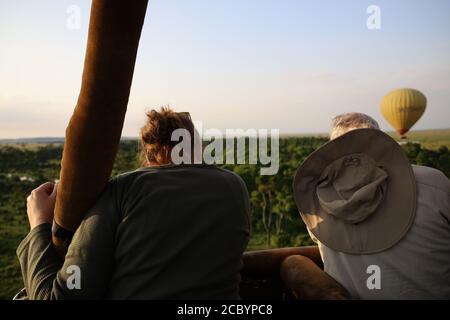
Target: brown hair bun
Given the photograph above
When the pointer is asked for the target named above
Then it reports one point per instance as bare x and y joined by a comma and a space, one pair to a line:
156, 134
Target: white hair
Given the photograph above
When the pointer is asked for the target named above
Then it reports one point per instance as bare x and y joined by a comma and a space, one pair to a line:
350, 121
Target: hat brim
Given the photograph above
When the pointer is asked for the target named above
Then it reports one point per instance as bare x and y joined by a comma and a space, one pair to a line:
393, 217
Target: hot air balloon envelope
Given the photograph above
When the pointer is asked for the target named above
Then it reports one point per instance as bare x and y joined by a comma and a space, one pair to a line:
402, 108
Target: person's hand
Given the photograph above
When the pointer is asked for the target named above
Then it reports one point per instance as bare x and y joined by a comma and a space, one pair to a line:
41, 204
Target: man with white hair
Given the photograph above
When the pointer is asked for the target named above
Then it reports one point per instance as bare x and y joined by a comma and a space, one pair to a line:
382, 225
349, 121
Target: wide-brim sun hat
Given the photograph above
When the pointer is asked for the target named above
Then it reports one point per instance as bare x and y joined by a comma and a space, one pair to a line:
357, 193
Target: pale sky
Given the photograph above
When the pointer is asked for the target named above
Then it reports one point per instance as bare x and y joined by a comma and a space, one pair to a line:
277, 64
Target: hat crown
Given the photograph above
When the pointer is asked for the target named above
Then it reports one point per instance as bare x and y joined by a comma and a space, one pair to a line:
352, 187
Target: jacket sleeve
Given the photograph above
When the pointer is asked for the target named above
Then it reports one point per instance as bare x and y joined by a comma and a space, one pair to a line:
87, 269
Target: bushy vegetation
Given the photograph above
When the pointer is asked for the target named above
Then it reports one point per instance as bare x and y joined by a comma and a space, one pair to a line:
274, 215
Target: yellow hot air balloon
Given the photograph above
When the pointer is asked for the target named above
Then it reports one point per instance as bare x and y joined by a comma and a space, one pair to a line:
402, 108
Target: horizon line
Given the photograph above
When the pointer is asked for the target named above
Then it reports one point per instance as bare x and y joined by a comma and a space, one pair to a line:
306, 134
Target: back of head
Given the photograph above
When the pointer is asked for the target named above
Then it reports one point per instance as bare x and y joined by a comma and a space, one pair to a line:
346, 122
156, 135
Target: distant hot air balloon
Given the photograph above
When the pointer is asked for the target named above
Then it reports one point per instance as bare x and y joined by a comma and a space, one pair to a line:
402, 108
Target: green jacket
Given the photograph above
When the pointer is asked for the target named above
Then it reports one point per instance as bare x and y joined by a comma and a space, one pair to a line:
169, 232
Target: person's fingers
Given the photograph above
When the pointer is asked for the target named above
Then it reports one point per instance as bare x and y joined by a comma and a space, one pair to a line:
48, 187
45, 188
54, 191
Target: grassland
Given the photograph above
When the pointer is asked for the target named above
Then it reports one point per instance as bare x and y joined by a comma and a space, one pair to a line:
430, 139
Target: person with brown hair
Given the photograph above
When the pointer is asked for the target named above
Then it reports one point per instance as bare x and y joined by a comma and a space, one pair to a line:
156, 136
163, 231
